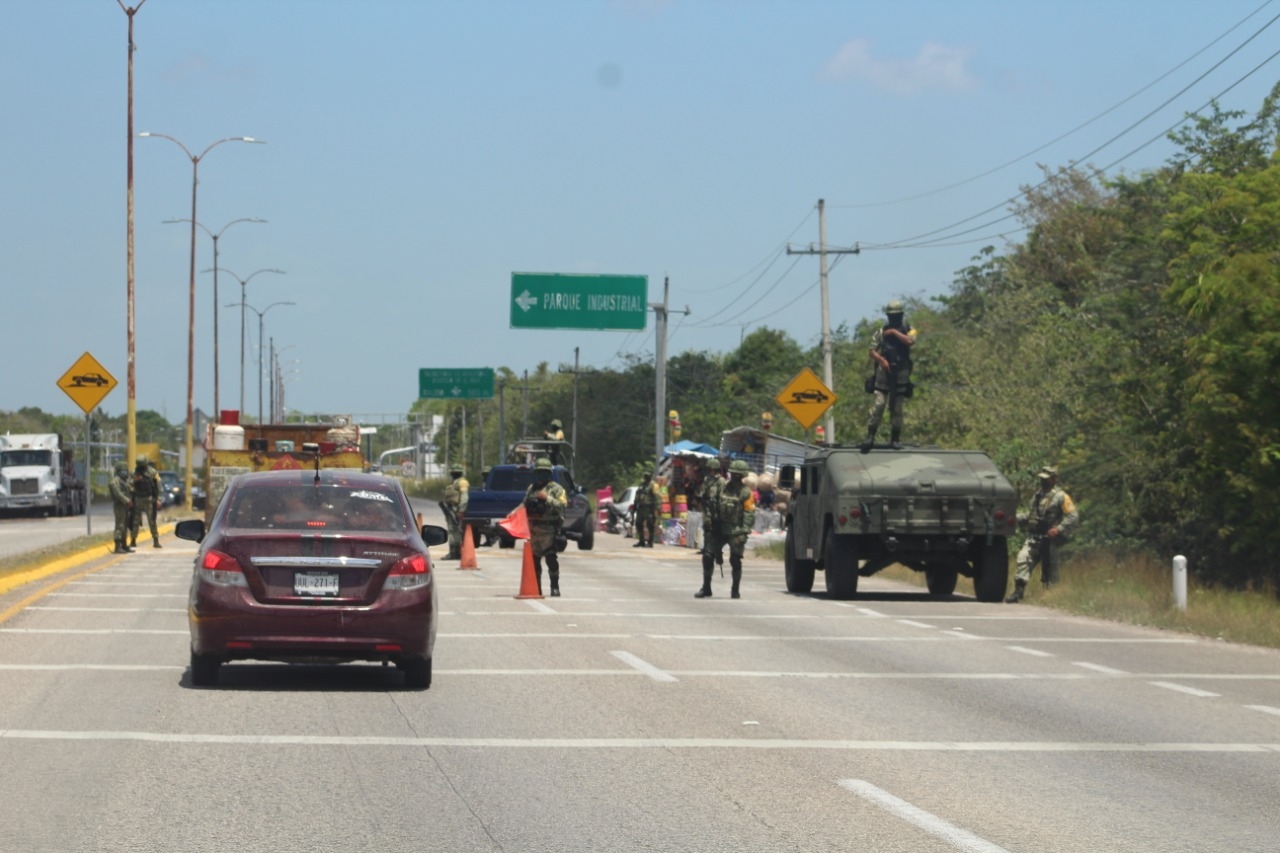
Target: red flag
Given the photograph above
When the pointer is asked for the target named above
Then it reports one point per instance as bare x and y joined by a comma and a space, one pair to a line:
516, 523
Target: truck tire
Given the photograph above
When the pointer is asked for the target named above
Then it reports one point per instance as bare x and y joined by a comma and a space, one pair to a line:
991, 574
840, 558
587, 540
941, 580
799, 572
506, 540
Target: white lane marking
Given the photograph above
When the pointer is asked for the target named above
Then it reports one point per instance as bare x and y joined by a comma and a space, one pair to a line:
106, 667
87, 631
643, 743
643, 666
1034, 652
915, 624
534, 635
961, 839
1266, 709
1097, 667
111, 609
1190, 691
867, 611
539, 606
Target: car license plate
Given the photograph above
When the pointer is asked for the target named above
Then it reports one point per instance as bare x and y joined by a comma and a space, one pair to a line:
315, 583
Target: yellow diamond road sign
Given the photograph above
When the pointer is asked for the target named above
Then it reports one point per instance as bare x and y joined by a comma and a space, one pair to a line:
806, 398
87, 383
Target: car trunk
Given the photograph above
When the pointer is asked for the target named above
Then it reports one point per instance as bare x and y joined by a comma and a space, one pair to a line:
316, 568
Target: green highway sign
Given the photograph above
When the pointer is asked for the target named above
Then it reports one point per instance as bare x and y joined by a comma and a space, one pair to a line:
567, 301
455, 383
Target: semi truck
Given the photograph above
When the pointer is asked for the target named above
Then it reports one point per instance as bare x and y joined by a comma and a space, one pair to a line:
37, 474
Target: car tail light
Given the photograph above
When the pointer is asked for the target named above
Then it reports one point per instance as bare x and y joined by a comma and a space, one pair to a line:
409, 573
221, 569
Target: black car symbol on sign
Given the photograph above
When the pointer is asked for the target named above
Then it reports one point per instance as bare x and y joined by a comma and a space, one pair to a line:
813, 395
89, 379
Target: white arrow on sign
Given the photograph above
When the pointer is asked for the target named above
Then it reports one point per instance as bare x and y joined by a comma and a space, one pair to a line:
526, 300
455, 391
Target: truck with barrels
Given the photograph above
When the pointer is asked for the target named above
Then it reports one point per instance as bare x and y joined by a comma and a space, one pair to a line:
944, 513
38, 474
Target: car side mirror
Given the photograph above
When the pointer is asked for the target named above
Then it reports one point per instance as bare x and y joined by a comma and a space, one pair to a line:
787, 477
192, 529
434, 534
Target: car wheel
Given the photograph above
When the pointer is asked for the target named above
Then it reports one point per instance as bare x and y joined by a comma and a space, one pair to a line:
587, 540
417, 673
991, 574
799, 572
941, 580
204, 670
840, 558
505, 541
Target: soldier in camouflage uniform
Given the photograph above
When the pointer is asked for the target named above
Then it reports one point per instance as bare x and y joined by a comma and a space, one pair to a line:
734, 514
146, 500
544, 503
891, 351
121, 503
456, 495
646, 509
1050, 517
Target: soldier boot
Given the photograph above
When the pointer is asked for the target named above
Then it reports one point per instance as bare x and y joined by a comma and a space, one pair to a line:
894, 435
735, 564
869, 441
1019, 587
705, 592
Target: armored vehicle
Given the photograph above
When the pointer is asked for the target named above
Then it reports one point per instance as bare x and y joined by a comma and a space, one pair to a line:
942, 512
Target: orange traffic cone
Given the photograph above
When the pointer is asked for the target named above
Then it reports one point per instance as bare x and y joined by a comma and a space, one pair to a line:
528, 575
468, 560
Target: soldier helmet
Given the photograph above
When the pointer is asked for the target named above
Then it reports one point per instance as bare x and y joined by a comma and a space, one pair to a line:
739, 467
543, 464
647, 476
143, 459
555, 422
1048, 472
122, 468
894, 307
455, 468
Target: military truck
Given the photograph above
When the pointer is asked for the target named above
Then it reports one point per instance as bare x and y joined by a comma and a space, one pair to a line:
941, 512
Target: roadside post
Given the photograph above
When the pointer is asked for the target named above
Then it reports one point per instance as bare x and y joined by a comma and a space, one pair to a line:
1180, 582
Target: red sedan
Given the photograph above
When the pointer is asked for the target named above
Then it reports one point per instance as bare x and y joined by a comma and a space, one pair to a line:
313, 566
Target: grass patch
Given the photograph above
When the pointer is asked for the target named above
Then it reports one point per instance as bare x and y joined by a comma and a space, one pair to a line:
1134, 590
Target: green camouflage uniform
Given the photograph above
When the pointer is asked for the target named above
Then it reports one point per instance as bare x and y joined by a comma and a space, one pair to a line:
1050, 508
121, 502
456, 496
546, 517
646, 506
733, 511
885, 386
146, 499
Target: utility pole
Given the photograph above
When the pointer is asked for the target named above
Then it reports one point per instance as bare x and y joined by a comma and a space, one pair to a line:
822, 251
502, 420
573, 429
661, 312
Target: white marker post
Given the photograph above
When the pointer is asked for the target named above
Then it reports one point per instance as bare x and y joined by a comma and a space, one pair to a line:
1180, 582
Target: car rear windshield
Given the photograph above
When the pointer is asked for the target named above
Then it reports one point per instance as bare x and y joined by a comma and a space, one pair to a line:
510, 479
310, 507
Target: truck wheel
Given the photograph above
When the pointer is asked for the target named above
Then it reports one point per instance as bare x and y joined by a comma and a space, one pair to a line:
991, 574
840, 558
941, 580
506, 541
799, 572
587, 540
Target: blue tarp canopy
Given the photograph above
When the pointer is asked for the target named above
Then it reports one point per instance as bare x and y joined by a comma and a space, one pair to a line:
684, 447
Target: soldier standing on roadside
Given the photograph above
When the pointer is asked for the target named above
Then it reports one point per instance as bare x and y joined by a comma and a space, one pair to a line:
456, 495
121, 503
891, 351
735, 515
544, 503
1050, 517
146, 499
646, 509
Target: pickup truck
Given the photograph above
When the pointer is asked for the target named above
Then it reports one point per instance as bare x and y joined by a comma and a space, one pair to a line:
503, 492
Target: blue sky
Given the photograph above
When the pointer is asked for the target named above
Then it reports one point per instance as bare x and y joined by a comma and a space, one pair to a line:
418, 153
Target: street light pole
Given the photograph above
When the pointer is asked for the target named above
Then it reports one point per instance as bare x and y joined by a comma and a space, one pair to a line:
191, 310
244, 284
217, 403
261, 315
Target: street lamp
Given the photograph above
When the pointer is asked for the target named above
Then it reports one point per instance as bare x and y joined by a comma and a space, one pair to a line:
261, 314
191, 311
244, 283
217, 404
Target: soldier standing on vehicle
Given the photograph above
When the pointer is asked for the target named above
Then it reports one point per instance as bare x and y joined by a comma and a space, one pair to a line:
544, 503
121, 503
1047, 522
645, 506
735, 515
891, 384
456, 495
554, 433
146, 499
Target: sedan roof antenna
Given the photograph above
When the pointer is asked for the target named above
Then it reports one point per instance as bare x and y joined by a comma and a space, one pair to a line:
314, 449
